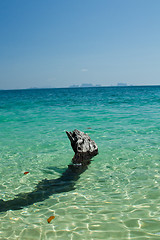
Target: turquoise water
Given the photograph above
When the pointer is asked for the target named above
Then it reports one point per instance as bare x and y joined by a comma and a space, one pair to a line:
117, 197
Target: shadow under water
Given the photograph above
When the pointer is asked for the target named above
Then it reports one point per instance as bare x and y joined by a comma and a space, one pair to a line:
46, 188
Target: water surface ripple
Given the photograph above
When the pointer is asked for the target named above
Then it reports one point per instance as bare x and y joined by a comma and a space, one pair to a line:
117, 197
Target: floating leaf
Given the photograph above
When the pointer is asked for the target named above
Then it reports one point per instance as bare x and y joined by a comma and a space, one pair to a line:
50, 219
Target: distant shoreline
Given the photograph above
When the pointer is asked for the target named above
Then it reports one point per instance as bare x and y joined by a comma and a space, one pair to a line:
36, 88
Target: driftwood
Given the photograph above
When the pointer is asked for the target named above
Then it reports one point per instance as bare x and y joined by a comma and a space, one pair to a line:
84, 149
83, 146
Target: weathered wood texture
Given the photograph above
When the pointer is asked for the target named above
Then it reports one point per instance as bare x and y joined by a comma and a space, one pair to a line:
83, 146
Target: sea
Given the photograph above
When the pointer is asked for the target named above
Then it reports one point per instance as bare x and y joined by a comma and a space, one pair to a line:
118, 194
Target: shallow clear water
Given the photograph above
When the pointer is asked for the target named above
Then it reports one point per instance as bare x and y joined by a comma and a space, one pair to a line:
117, 197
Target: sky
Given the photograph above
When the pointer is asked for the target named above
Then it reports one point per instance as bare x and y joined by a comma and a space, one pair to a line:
58, 43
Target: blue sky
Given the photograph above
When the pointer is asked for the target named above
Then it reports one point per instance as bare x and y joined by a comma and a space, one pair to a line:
57, 43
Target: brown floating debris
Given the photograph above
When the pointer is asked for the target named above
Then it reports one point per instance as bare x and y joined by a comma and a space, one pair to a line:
50, 219
26, 173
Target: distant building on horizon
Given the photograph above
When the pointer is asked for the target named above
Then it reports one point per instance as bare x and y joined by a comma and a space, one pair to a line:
74, 86
121, 84
84, 85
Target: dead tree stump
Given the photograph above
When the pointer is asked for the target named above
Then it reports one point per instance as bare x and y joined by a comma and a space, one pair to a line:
83, 146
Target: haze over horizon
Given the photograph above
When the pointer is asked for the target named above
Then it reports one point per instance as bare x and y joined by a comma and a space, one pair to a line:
55, 43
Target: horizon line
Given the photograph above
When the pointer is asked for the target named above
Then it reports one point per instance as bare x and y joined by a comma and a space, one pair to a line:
101, 86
